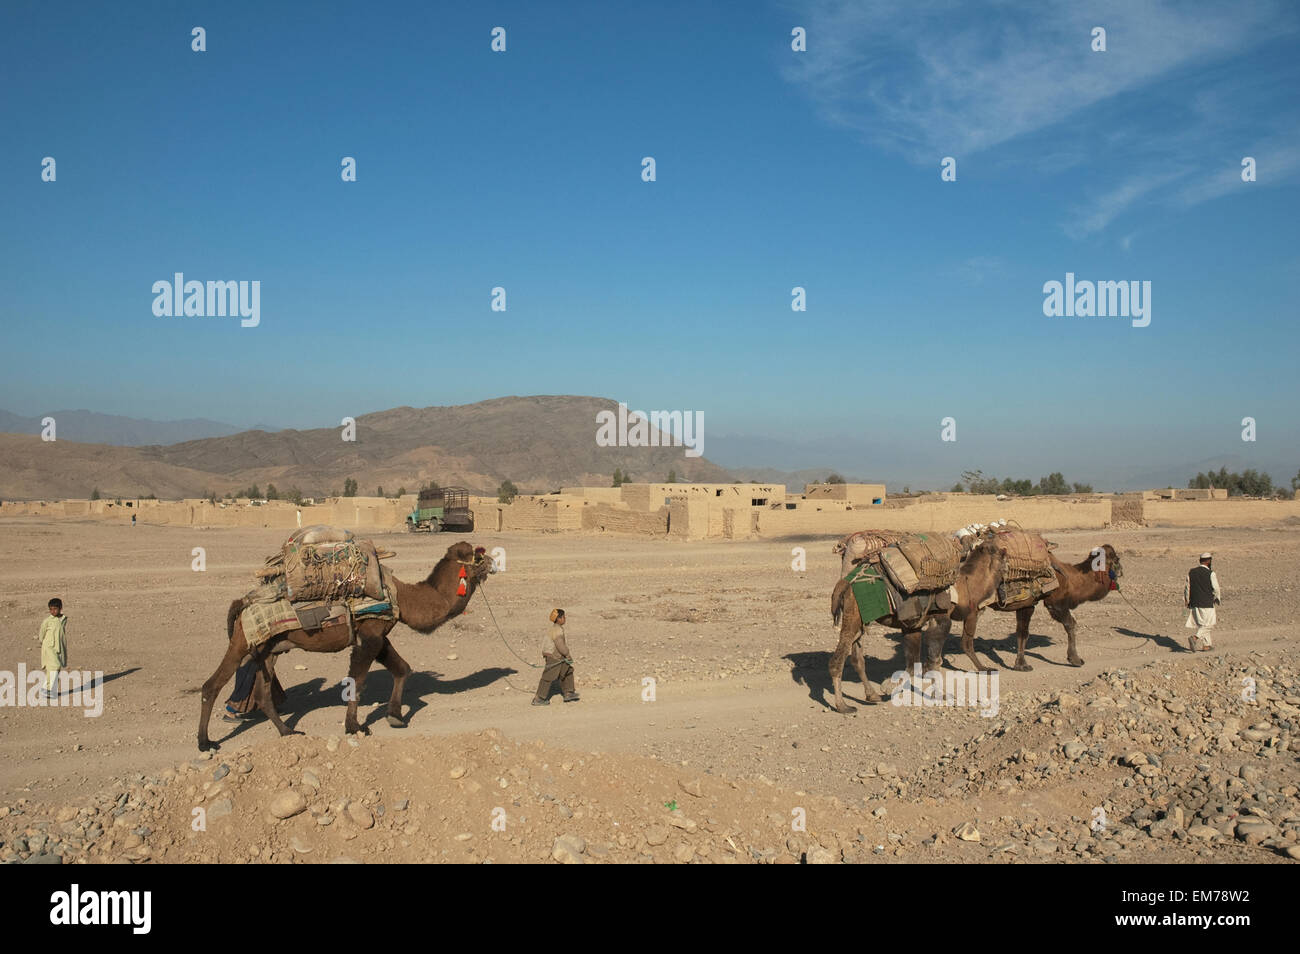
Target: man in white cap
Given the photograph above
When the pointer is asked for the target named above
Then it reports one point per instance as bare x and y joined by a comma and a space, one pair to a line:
1201, 595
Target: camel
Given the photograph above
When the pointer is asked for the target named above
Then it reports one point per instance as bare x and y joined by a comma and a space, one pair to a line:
1076, 584
424, 606
977, 581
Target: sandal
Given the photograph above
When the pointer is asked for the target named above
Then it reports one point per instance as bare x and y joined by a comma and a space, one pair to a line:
231, 716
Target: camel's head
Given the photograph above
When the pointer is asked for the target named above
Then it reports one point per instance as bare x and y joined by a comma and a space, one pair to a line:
988, 556
474, 559
1105, 558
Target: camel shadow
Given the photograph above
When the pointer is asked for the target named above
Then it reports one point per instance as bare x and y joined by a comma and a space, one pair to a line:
317, 693
995, 648
1167, 642
379, 687
812, 669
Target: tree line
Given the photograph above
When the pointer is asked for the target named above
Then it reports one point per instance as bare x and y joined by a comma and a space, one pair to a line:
1249, 483
974, 481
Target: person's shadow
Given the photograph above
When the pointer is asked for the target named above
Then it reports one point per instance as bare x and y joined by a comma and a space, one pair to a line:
94, 683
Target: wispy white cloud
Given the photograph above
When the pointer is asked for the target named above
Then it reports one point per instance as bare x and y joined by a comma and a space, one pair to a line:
978, 267
932, 78
1100, 211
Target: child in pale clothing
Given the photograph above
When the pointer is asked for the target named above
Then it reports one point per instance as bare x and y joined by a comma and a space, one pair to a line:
54, 646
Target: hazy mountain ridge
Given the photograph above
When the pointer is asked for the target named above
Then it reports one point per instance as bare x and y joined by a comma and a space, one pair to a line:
540, 443
91, 427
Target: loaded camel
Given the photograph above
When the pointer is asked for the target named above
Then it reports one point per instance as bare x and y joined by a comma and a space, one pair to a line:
424, 606
977, 581
1087, 581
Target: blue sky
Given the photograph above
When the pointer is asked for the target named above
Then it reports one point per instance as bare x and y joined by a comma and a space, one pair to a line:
774, 169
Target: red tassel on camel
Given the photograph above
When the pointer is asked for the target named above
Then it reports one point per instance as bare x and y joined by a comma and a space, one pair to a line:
460, 587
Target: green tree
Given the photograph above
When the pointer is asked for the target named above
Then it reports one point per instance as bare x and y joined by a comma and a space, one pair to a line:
957, 488
507, 492
978, 483
672, 477
294, 494
834, 479
1255, 484
349, 487
1082, 488
94, 494
1053, 484
1295, 481
272, 493
430, 487
254, 493
401, 491
379, 491
619, 479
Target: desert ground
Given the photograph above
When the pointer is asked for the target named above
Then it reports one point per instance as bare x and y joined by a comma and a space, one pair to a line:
1146, 753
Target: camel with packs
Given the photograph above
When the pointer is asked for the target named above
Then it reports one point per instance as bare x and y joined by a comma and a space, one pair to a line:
1034, 575
903, 585
325, 592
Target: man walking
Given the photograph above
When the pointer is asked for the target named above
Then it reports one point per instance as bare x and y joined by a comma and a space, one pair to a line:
1201, 595
559, 664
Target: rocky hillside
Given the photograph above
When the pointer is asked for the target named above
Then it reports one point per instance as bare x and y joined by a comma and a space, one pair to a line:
540, 443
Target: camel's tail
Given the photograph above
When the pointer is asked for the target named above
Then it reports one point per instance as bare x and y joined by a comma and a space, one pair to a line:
232, 614
837, 601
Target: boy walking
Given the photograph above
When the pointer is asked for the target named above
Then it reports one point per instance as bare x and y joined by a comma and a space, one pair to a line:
54, 646
559, 664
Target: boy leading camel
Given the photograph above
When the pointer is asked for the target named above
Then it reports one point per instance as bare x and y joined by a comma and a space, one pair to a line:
559, 664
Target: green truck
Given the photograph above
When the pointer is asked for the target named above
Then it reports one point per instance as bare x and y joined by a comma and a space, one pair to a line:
446, 508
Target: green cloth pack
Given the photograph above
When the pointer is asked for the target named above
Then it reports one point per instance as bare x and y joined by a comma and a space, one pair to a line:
869, 590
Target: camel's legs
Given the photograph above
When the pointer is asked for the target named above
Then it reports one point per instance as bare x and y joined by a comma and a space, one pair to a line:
1023, 615
860, 664
277, 690
912, 649
398, 666
936, 636
262, 693
363, 654
235, 652
968, 640
850, 632
1063, 616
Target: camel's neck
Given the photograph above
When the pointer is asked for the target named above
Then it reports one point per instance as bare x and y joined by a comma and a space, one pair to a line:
975, 584
425, 606
1092, 584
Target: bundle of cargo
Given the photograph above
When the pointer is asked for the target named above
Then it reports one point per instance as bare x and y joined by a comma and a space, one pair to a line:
321, 577
922, 561
911, 575
863, 546
1028, 574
